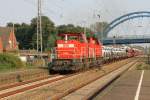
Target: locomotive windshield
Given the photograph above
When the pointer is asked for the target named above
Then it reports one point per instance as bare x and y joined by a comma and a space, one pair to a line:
71, 36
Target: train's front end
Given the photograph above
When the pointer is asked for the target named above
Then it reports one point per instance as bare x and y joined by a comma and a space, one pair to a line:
66, 53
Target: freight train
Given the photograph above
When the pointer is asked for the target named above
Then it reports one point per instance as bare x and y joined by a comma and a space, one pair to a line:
75, 52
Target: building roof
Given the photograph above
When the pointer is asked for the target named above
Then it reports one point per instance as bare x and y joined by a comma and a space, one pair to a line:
4, 34
5, 30
1, 46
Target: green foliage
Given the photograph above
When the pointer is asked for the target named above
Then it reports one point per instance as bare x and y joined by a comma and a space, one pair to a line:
99, 27
47, 29
143, 66
23, 34
9, 61
69, 28
26, 33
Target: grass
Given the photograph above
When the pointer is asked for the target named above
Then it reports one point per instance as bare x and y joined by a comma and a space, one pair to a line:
143, 66
9, 62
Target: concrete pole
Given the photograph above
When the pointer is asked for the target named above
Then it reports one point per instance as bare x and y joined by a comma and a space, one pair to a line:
102, 33
13, 43
41, 35
38, 14
84, 29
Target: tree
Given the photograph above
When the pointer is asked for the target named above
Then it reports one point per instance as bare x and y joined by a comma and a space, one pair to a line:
22, 32
26, 34
99, 27
48, 28
70, 28
10, 24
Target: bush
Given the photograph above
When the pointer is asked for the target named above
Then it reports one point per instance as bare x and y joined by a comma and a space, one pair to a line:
10, 61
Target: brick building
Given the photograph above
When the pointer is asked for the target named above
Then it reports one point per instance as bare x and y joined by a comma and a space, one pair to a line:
1, 47
8, 40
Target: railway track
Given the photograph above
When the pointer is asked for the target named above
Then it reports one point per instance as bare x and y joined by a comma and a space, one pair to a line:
21, 87
10, 79
58, 86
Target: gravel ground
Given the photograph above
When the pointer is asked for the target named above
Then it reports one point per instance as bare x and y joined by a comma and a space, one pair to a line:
20, 76
62, 86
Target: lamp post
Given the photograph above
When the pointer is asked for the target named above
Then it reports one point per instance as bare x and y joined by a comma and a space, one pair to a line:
101, 30
84, 25
114, 40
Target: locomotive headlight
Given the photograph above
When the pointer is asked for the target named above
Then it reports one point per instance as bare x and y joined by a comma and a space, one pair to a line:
71, 45
59, 45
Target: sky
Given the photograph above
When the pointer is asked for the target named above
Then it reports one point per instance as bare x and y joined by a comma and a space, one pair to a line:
78, 12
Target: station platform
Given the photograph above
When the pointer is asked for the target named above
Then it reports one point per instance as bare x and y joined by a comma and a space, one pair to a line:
132, 85
88, 91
